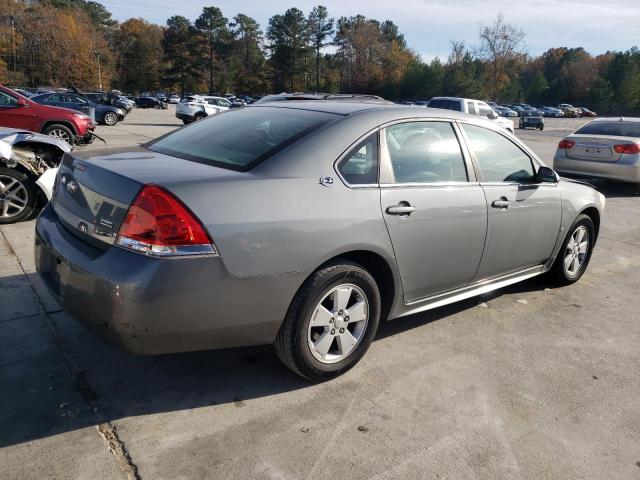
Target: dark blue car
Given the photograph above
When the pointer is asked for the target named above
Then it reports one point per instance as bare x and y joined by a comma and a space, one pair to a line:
104, 114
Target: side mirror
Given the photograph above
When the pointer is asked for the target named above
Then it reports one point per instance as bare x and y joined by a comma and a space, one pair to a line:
492, 116
547, 175
21, 103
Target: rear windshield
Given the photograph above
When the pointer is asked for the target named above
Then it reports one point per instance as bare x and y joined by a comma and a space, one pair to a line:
445, 104
616, 129
240, 139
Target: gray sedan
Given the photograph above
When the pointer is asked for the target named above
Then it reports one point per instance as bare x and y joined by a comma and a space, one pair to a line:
605, 148
304, 224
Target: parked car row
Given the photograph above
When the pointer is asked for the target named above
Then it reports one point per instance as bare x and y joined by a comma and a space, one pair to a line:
196, 107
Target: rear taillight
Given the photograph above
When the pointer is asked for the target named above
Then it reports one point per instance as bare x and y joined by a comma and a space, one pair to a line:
157, 223
628, 148
566, 144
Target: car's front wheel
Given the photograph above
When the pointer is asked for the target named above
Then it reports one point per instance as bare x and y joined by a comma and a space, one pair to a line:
331, 322
110, 118
575, 253
61, 132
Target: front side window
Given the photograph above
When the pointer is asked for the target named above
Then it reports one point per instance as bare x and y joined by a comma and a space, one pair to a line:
499, 159
425, 152
360, 166
484, 110
7, 100
241, 138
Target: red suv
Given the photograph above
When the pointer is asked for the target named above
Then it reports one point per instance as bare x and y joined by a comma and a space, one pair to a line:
17, 111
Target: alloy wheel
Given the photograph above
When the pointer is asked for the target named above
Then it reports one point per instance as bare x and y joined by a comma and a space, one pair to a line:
110, 119
338, 323
576, 251
13, 197
61, 134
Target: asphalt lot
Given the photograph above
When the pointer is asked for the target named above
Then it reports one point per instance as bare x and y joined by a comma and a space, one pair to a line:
527, 382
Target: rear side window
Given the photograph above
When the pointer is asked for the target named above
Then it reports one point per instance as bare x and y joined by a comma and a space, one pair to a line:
616, 129
360, 166
471, 108
500, 160
240, 139
425, 152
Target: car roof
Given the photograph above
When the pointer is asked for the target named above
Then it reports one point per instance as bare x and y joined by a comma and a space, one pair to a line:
616, 119
348, 108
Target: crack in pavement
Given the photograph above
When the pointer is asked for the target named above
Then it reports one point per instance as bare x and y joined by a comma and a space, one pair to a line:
621, 241
104, 427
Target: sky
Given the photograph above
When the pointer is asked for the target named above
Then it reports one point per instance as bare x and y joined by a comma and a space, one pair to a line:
430, 25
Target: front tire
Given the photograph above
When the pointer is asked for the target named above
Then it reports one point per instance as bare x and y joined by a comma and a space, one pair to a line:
575, 253
110, 119
331, 322
18, 196
61, 132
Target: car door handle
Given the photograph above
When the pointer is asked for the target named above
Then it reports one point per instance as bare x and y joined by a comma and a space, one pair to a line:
401, 209
502, 203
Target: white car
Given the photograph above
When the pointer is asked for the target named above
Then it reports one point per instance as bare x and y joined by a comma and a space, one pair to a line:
195, 107
473, 107
174, 99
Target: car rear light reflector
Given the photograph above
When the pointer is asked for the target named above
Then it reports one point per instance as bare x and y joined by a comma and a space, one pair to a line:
628, 148
566, 144
157, 223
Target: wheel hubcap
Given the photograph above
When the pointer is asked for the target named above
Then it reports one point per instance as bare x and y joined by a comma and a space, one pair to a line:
576, 250
338, 323
13, 197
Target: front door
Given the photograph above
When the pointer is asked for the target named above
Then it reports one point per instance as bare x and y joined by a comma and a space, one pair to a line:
435, 212
13, 115
524, 216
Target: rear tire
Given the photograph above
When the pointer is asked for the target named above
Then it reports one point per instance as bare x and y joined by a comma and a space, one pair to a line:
61, 132
18, 196
308, 340
573, 258
199, 116
110, 119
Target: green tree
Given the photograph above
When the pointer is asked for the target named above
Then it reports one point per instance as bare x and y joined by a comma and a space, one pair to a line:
288, 36
211, 25
320, 29
248, 54
178, 46
537, 88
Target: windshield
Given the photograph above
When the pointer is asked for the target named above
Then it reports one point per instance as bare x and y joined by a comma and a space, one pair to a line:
240, 139
616, 129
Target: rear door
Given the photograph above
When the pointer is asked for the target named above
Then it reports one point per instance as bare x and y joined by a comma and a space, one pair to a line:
435, 212
523, 216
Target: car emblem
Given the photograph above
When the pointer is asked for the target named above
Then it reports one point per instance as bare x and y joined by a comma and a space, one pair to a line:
326, 181
83, 227
72, 186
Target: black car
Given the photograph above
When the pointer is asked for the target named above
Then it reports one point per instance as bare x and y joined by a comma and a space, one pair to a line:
531, 122
150, 102
105, 99
104, 114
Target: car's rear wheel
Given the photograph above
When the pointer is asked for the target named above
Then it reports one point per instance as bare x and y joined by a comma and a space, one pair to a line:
575, 253
61, 132
199, 116
331, 322
18, 196
110, 118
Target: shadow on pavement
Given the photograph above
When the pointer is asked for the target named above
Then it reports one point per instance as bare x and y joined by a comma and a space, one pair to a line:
45, 393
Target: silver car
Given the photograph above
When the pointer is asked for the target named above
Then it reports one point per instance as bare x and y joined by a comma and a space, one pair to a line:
304, 224
605, 148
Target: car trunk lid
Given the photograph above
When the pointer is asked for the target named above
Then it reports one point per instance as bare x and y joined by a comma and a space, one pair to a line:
95, 189
598, 148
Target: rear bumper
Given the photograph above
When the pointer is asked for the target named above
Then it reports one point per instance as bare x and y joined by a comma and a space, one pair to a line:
151, 306
611, 170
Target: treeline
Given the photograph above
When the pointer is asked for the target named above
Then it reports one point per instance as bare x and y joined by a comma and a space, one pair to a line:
62, 42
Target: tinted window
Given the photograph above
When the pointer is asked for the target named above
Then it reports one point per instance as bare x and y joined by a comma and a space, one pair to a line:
77, 99
500, 159
484, 110
445, 104
617, 129
360, 166
425, 152
7, 100
242, 138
